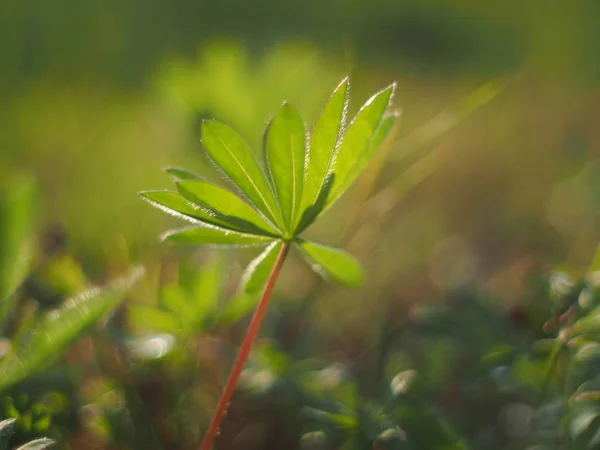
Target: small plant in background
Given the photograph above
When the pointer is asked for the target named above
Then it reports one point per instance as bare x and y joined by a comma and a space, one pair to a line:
304, 176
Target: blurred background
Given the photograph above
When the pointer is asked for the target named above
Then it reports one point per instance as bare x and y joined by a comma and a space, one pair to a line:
492, 174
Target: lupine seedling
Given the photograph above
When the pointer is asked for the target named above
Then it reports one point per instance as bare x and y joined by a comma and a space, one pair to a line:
303, 176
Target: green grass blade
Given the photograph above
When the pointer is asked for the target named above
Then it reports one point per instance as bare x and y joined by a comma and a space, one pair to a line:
332, 263
17, 213
209, 235
256, 274
284, 153
357, 139
61, 328
226, 207
235, 158
38, 444
319, 157
7, 429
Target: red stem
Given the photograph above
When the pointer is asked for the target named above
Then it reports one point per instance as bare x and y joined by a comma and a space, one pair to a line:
245, 348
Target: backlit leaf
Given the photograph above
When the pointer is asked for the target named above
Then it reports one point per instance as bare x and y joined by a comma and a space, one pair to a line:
256, 274
38, 444
357, 139
60, 328
319, 157
226, 207
284, 154
332, 263
229, 151
209, 235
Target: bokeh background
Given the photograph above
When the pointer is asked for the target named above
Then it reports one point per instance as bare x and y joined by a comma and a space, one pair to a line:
492, 173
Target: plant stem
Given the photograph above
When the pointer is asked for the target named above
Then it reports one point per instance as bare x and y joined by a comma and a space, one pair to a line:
245, 348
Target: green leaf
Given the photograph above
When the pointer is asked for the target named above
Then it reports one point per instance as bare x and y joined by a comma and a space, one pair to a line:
332, 263
209, 235
235, 158
61, 328
17, 211
284, 152
206, 293
148, 318
385, 126
38, 444
174, 204
256, 274
226, 207
7, 429
357, 139
319, 157
238, 307
182, 174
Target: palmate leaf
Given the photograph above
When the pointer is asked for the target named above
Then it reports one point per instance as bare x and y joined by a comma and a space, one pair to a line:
60, 328
233, 156
301, 182
284, 154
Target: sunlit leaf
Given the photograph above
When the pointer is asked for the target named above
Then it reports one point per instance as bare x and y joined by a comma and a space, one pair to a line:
229, 151
257, 272
209, 235
60, 328
319, 157
358, 137
174, 204
7, 429
333, 263
378, 137
182, 174
226, 207
38, 444
17, 209
284, 154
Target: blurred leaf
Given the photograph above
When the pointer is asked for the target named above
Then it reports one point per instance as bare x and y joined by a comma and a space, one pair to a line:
319, 158
17, 206
38, 444
357, 139
284, 153
214, 236
7, 429
238, 307
207, 292
233, 156
182, 174
225, 206
61, 328
153, 319
256, 274
333, 263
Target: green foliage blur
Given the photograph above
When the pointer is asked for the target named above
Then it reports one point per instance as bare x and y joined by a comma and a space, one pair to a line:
477, 223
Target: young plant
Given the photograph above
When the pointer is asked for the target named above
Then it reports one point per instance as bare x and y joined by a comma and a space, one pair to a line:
304, 176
